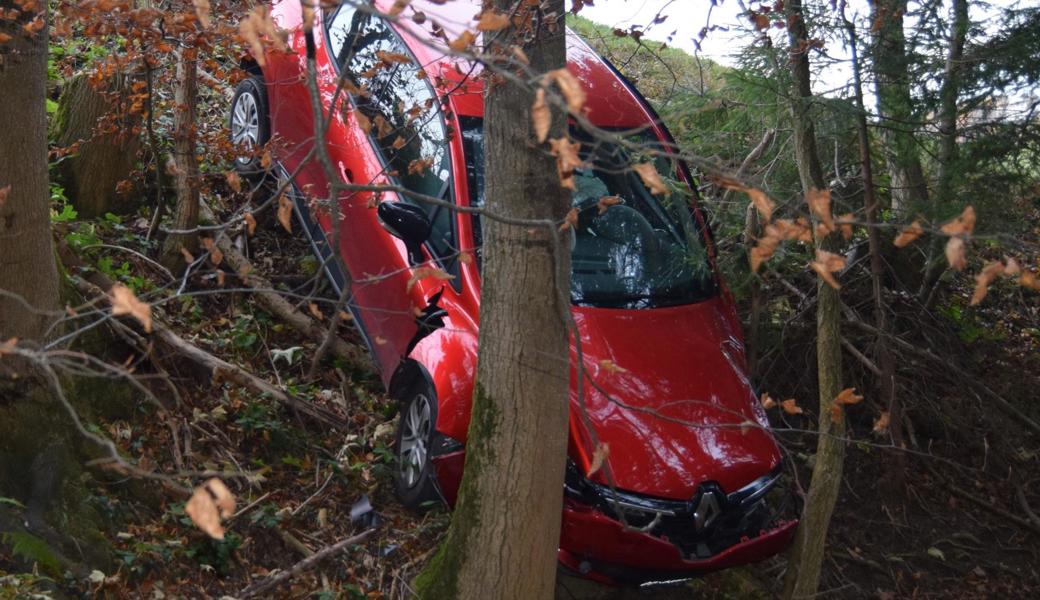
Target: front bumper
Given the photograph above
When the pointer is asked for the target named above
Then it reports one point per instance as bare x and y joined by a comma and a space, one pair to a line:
601, 548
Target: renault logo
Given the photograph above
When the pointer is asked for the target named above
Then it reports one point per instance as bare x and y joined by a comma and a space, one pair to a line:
708, 510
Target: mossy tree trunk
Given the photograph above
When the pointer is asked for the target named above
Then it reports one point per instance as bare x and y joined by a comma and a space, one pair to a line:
94, 118
806, 558
39, 464
186, 167
505, 531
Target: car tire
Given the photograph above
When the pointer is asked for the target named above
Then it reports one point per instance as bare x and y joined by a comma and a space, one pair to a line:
249, 125
414, 479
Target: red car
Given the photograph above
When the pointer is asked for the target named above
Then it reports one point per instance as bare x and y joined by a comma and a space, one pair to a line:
690, 457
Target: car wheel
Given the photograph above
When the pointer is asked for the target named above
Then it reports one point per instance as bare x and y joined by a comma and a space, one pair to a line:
248, 124
413, 476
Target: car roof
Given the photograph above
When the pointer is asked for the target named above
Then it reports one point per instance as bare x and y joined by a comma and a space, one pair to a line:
610, 102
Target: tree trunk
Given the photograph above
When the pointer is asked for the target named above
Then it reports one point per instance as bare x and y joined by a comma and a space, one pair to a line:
947, 137
886, 360
803, 567
28, 271
185, 166
505, 531
104, 157
892, 84
39, 460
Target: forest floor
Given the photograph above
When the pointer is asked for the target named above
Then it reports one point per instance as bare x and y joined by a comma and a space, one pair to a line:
941, 530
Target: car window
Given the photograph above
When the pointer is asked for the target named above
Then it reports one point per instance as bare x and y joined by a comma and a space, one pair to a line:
642, 251
406, 121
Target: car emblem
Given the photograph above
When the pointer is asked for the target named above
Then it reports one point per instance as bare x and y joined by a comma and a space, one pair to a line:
708, 510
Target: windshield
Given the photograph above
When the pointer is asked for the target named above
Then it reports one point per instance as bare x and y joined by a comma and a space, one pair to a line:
634, 250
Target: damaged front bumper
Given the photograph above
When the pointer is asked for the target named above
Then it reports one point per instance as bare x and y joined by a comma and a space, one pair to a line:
619, 537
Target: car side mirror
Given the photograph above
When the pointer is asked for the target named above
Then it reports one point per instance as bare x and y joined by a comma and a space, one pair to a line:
407, 223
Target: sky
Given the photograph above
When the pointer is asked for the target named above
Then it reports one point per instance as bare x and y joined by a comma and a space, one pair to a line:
685, 18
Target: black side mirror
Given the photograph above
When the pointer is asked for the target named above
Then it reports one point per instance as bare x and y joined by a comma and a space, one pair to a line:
408, 223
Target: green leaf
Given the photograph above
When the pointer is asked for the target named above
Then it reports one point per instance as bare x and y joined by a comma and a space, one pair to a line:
33, 549
11, 501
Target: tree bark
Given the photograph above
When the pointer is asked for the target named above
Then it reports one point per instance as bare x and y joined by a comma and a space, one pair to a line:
186, 167
505, 531
104, 157
803, 567
28, 270
947, 155
885, 358
892, 84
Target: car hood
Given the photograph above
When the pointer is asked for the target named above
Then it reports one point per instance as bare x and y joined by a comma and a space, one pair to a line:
667, 390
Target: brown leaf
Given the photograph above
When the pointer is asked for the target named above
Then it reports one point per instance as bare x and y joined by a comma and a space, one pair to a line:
570, 221
763, 251
570, 87
881, 424
541, 117
847, 396
234, 181
835, 412
315, 311
963, 224
826, 264
984, 278
285, 210
202, 11
188, 257
399, 143
463, 42
1012, 268
383, 127
4, 193
1028, 279
791, 407
651, 178
786, 229
955, 250
611, 366
250, 223
124, 302
606, 202
492, 21
567, 159
820, 204
908, 234
363, 122
767, 401
424, 272
763, 203
345, 316
265, 161
599, 456
215, 255
845, 224
465, 257
209, 504
8, 346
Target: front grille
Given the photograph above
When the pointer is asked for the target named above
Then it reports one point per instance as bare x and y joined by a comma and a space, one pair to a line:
700, 527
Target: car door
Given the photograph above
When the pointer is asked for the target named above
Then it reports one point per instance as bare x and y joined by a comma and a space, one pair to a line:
391, 133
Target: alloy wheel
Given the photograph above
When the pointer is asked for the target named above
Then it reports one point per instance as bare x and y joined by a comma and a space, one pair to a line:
416, 434
245, 123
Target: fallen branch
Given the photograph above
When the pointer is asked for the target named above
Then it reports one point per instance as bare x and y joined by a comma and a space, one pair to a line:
264, 585
274, 303
986, 504
218, 368
223, 370
1021, 495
